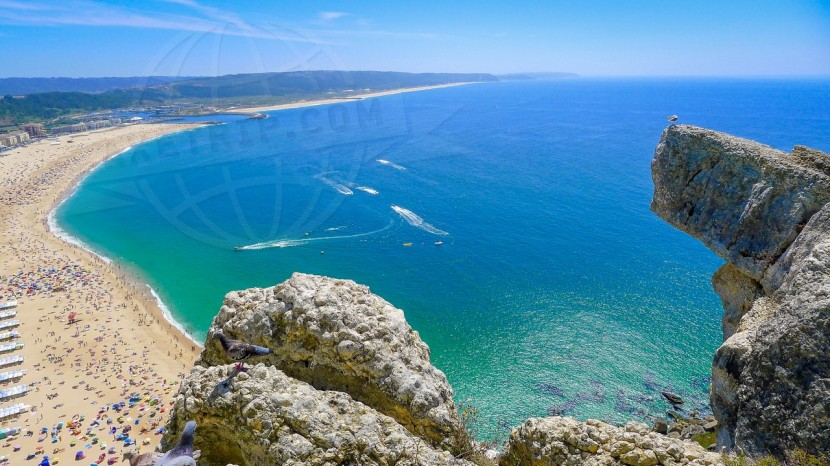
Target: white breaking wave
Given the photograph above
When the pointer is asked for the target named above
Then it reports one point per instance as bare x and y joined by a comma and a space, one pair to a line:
337, 186
165, 311
55, 229
391, 164
288, 243
413, 219
369, 190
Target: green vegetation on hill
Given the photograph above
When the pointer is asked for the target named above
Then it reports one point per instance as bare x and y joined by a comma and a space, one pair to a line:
23, 86
48, 105
262, 88
301, 83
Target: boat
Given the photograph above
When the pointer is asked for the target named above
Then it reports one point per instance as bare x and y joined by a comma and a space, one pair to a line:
439, 243
407, 245
239, 248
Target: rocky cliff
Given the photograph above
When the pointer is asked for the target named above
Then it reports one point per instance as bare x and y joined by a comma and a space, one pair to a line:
263, 417
564, 441
349, 382
337, 335
766, 213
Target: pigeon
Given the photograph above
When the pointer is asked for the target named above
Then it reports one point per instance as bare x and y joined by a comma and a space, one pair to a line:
144, 459
239, 350
182, 453
672, 118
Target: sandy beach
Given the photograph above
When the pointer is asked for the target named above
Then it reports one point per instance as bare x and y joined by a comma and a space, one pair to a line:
309, 103
102, 384
119, 345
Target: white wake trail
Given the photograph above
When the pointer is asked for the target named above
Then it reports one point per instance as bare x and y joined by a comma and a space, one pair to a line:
337, 186
289, 243
416, 221
391, 164
367, 189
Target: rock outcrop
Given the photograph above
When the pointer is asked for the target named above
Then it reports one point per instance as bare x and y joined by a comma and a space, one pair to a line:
263, 417
337, 335
563, 441
766, 213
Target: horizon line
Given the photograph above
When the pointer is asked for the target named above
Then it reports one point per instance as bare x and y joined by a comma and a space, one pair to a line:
575, 75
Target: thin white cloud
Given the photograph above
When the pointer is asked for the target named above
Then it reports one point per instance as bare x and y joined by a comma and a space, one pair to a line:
383, 33
328, 16
93, 14
4, 4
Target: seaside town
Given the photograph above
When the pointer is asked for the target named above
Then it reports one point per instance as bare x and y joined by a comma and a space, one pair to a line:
30, 132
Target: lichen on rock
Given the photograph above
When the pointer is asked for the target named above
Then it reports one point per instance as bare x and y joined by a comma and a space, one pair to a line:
263, 417
337, 335
554, 441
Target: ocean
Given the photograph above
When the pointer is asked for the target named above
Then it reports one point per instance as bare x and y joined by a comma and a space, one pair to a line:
552, 289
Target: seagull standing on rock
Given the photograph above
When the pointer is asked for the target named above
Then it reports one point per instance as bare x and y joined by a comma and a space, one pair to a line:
239, 350
182, 453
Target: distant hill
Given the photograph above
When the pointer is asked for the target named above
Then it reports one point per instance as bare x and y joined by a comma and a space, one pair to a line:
528, 76
302, 83
23, 86
263, 88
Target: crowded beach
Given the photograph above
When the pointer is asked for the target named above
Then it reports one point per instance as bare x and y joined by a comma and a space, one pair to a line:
88, 363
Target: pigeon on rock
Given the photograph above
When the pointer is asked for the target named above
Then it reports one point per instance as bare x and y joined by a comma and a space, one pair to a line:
239, 350
182, 453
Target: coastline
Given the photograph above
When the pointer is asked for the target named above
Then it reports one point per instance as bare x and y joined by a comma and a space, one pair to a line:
133, 277
119, 312
334, 100
120, 343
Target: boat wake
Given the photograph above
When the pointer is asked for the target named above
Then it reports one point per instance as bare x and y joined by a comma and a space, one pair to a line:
367, 189
413, 219
335, 228
337, 186
290, 243
391, 164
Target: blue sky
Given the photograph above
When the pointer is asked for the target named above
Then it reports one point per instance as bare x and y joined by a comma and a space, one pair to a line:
594, 38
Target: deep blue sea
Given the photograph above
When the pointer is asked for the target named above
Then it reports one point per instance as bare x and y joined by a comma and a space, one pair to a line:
555, 290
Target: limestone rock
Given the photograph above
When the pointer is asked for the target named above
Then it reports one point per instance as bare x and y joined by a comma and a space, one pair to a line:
766, 213
337, 335
737, 292
744, 200
263, 417
554, 441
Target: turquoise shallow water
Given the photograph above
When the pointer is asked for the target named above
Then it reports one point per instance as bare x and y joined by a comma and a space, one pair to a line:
556, 289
